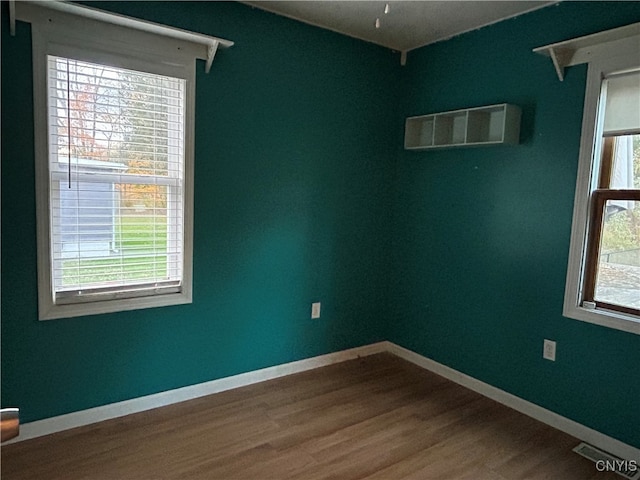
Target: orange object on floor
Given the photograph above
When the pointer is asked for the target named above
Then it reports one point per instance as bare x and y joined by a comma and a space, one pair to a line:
9, 423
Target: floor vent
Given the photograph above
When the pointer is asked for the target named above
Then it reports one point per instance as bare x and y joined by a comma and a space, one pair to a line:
605, 462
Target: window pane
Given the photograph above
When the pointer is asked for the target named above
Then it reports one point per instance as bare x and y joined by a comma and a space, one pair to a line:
110, 234
618, 276
116, 176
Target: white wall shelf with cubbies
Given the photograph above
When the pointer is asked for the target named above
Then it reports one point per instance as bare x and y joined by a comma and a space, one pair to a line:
491, 125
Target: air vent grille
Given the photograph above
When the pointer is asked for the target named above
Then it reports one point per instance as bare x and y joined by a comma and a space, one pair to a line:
604, 461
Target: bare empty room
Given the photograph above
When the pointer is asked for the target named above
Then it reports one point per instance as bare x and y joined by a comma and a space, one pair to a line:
325, 239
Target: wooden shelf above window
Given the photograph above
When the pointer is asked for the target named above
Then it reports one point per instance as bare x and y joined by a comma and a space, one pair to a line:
625, 40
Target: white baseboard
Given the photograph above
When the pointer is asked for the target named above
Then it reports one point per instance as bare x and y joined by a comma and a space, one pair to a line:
575, 429
119, 409
148, 402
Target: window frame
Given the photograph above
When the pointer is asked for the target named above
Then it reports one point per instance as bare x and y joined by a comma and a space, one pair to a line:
576, 306
93, 41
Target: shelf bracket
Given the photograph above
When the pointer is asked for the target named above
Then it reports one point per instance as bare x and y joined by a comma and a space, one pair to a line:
403, 58
212, 48
560, 59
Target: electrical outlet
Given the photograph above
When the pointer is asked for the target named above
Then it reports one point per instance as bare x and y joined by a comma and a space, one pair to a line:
315, 310
549, 350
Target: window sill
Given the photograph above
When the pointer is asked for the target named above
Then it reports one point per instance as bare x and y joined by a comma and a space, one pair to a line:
604, 318
52, 311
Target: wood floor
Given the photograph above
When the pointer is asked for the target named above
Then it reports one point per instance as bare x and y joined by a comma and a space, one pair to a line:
377, 417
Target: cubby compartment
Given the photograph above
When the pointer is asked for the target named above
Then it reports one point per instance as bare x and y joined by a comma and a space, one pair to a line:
419, 131
491, 125
451, 129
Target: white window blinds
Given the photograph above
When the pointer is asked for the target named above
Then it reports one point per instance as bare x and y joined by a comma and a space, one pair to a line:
622, 107
116, 179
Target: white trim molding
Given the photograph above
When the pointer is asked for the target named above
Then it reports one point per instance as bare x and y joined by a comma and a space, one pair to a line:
566, 425
119, 409
60, 423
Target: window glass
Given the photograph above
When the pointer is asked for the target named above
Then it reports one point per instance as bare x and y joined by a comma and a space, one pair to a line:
116, 170
618, 273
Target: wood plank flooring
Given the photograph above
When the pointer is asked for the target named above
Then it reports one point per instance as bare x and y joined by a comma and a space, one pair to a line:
377, 417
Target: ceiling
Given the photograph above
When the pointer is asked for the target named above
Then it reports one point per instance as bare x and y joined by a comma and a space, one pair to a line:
407, 25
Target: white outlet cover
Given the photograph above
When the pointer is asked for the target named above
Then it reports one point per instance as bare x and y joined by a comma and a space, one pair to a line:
549, 350
315, 310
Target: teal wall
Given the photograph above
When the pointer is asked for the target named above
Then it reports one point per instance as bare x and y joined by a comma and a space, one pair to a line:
303, 193
291, 206
481, 235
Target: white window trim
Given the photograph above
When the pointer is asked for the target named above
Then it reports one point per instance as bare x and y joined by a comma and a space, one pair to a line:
62, 34
608, 60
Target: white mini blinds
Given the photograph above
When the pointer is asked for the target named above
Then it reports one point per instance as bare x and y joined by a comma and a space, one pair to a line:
622, 105
116, 179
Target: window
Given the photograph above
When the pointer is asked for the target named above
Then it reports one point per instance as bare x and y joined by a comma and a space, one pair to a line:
603, 279
114, 118
116, 181
114, 126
